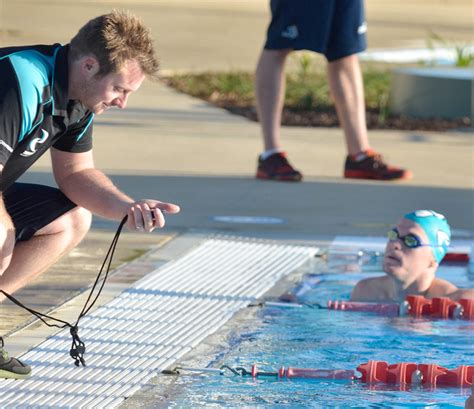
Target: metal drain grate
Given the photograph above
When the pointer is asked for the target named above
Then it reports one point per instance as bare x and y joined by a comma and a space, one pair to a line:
153, 324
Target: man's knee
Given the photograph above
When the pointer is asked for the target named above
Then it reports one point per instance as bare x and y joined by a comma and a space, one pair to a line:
4, 263
346, 61
73, 225
6, 253
79, 222
275, 56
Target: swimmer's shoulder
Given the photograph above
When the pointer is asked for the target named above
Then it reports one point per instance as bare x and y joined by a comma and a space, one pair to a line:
371, 289
443, 288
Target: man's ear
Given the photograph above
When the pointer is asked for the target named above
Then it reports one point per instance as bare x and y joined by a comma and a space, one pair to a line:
89, 66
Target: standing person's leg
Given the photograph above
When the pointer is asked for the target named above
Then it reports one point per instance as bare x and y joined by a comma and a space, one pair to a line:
347, 90
294, 25
348, 37
47, 225
270, 94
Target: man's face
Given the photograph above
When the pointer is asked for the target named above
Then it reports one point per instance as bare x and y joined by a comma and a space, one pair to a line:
407, 264
101, 93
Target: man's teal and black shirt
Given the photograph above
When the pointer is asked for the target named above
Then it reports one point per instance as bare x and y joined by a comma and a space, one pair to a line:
35, 111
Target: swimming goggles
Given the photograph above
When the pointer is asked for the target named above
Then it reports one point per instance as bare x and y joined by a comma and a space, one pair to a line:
412, 241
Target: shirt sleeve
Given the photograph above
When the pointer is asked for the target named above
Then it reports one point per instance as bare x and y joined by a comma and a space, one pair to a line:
78, 137
10, 113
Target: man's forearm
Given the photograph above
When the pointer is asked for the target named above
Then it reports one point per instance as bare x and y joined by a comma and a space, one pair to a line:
93, 190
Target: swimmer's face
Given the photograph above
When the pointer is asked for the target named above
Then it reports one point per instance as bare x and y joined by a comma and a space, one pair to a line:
406, 264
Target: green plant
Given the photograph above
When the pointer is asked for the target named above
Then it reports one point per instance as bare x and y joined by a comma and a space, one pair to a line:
307, 89
377, 91
307, 98
464, 56
216, 87
300, 90
305, 62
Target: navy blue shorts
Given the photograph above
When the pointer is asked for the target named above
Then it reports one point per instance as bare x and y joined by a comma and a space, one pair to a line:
334, 28
33, 207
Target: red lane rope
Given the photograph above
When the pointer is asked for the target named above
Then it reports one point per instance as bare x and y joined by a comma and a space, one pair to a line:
456, 258
403, 373
412, 373
415, 305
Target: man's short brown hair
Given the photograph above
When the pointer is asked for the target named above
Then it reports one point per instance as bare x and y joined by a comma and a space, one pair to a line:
113, 39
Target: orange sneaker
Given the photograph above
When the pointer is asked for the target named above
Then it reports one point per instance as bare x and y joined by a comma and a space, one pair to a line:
277, 167
370, 165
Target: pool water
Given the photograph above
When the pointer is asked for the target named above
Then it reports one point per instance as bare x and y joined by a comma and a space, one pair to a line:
317, 338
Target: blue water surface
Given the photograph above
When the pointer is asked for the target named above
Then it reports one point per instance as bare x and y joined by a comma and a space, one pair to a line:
317, 338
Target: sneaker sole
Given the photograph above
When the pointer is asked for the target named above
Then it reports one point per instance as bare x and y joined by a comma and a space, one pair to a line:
357, 174
13, 375
280, 178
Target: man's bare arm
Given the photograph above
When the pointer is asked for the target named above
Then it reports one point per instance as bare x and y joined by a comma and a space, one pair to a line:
87, 186
90, 188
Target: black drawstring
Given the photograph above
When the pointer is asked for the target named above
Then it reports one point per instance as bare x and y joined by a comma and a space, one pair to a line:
109, 255
78, 348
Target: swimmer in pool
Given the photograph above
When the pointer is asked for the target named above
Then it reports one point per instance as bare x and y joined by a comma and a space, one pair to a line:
416, 246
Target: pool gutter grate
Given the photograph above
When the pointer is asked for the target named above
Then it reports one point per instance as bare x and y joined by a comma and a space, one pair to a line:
151, 325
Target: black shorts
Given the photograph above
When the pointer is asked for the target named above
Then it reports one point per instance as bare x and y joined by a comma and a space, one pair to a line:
33, 207
334, 28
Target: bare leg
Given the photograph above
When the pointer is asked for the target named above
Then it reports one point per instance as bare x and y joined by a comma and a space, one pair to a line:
347, 89
33, 257
270, 93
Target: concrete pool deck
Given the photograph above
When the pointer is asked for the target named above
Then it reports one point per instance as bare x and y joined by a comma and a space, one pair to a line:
176, 148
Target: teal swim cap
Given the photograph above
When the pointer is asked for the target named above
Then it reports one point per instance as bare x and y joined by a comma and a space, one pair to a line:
436, 228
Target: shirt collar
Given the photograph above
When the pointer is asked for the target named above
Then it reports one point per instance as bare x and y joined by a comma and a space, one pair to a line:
62, 105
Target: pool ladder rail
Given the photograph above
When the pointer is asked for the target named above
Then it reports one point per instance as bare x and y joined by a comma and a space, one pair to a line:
414, 305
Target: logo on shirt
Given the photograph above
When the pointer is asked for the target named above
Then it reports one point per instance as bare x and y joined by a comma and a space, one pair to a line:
6, 146
362, 29
35, 141
290, 32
